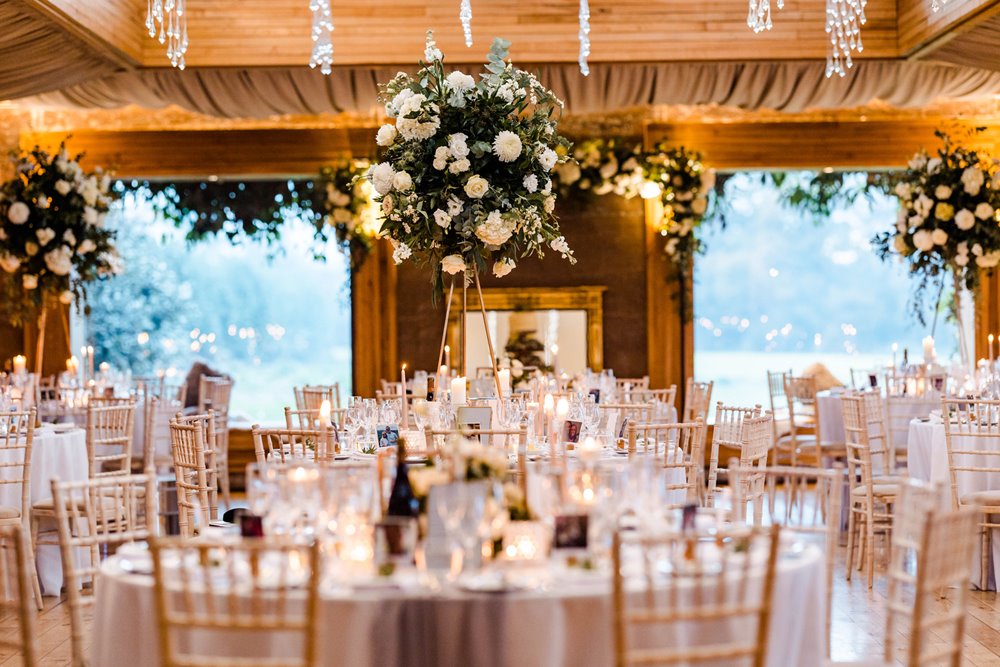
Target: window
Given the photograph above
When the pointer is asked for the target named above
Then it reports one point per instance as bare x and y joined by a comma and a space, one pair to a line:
776, 291
272, 317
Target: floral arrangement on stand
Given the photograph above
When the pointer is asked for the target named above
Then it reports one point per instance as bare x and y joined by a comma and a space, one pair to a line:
53, 241
465, 182
347, 207
675, 176
948, 219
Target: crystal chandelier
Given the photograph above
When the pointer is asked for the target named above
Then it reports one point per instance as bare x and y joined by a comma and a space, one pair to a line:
759, 15
465, 16
584, 35
844, 19
938, 5
167, 20
322, 53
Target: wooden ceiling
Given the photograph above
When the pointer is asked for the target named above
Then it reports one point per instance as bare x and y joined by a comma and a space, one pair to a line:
275, 33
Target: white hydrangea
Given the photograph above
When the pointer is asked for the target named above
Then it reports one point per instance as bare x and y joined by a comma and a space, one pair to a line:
550, 204
459, 80
381, 175
386, 135
547, 158
507, 146
458, 145
401, 252
414, 129
530, 183
63, 187
495, 230
18, 212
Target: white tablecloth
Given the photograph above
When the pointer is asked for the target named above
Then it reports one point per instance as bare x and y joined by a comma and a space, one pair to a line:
927, 454
831, 416
54, 455
567, 625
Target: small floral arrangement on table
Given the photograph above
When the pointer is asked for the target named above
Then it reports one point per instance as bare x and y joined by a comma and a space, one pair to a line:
462, 460
465, 182
347, 207
53, 241
949, 217
676, 176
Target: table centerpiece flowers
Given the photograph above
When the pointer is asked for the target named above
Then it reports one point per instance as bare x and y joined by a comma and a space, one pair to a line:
465, 181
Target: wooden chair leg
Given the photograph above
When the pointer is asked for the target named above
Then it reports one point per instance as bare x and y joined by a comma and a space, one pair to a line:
849, 563
870, 552
223, 474
984, 556
33, 555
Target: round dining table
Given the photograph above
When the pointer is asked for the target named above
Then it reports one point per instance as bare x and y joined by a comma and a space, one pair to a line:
565, 623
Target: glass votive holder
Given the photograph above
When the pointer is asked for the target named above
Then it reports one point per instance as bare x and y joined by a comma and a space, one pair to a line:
526, 541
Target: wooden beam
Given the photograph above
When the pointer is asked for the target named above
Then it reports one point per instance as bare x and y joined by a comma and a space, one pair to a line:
113, 28
373, 308
191, 154
814, 145
920, 30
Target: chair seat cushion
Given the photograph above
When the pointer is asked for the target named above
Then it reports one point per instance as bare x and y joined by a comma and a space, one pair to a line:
107, 504
890, 479
991, 498
8, 512
877, 489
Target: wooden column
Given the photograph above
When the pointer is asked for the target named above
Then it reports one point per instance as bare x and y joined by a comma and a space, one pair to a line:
987, 314
670, 339
373, 297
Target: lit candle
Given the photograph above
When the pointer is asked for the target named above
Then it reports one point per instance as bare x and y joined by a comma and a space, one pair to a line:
590, 450
555, 359
990, 339
105, 367
72, 365
928, 350
447, 356
20, 363
458, 391
504, 375
324, 413
405, 406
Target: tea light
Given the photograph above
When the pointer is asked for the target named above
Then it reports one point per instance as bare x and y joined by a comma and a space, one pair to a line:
525, 541
590, 450
20, 364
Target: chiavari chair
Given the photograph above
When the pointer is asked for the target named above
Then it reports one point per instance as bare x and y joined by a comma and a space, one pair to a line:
308, 419
690, 601
613, 415
625, 386
96, 516
805, 501
940, 545
802, 445
754, 449
697, 400
678, 447
871, 498
286, 445
17, 435
663, 400
727, 432
972, 436
24, 642
899, 412
779, 404
261, 587
311, 397
191, 443
214, 395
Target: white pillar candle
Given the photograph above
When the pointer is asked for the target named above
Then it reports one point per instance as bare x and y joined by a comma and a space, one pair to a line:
324, 413
555, 359
405, 406
928, 349
458, 391
447, 356
20, 363
990, 339
504, 375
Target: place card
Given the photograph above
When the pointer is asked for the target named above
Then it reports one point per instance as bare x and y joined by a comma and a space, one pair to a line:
571, 431
571, 531
388, 435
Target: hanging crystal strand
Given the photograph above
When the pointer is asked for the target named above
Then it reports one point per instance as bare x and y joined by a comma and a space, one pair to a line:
938, 5
759, 14
150, 21
465, 16
844, 19
322, 53
166, 21
584, 36
182, 37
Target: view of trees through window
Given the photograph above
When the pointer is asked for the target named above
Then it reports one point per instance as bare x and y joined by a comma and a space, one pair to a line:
271, 317
777, 290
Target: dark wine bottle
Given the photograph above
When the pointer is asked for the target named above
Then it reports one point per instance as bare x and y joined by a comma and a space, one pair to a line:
430, 388
402, 502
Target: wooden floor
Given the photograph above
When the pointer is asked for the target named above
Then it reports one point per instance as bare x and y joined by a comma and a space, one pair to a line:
858, 627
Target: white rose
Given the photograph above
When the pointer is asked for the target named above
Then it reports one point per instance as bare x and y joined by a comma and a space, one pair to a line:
442, 219
386, 135
549, 204
965, 220
18, 213
984, 211
507, 146
500, 269
387, 204
460, 166
942, 192
453, 264
939, 236
899, 243
442, 153
44, 235
457, 145
63, 187
933, 165
59, 261
495, 230
973, 179
923, 241
9, 263
30, 249
90, 215
402, 181
530, 183
476, 187
460, 81
547, 158
29, 281
86, 246
440, 165
66, 297
382, 175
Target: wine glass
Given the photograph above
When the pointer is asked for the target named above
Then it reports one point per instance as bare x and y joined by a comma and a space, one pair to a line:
390, 412
450, 505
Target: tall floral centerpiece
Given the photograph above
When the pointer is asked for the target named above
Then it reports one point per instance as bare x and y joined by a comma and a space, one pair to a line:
53, 241
465, 181
346, 204
948, 221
